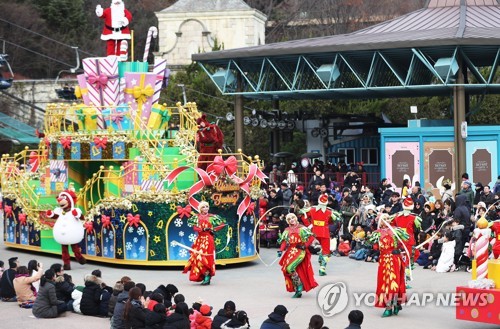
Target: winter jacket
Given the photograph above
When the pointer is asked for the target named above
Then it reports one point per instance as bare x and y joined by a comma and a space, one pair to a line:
469, 195
488, 199
64, 288
6, 284
23, 287
203, 322
155, 320
428, 220
177, 321
462, 211
137, 316
192, 318
76, 295
46, 302
275, 321
447, 256
219, 319
234, 324
117, 320
91, 298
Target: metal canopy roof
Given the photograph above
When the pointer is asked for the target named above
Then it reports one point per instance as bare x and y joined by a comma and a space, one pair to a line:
17, 130
413, 55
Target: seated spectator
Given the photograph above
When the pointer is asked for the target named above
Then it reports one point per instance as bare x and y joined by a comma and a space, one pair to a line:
240, 320
276, 320
134, 314
64, 285
358, 237
117, 289
429, 257
95, 299
46, 304
168, 293
23, 285
355, 319
7, 291
445, 262
316, 322
1, 268
121, 300
204, 320
157, 318
344, 246
32, 271
179, 319
153, 299
224, 314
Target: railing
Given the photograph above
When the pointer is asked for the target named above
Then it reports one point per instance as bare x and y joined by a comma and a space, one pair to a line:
371, 179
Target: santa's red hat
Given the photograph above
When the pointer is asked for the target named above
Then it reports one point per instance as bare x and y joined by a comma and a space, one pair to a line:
408, 203
323, 199
69, 195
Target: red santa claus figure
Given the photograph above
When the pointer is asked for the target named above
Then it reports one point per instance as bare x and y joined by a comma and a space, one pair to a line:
116, 29
410, 223
317, 219
68, 230
209, 140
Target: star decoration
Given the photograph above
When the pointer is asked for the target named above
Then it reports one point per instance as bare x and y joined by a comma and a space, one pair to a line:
119, 251
99, 235
118, 150
99, 221
74, 149
156, 239
123, 218
217, 241
150, 213
173, 206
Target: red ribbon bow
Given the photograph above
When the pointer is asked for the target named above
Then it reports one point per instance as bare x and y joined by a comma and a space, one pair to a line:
106, 221
101, 142
89, 227
100, 80
184, 212
250, 209
22, 219
133, 220
66, 142
8, 210
220, 165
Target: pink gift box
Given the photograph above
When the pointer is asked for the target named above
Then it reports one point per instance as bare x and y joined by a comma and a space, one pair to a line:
82, 83
139, 92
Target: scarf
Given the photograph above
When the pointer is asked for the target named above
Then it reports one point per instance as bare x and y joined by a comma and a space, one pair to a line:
31, 285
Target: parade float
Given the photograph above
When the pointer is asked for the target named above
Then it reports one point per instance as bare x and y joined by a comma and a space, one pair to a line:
134, 165
479, 301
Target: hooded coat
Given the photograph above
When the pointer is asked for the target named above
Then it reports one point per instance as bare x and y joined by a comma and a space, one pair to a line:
91, 297
46, 302
275, 321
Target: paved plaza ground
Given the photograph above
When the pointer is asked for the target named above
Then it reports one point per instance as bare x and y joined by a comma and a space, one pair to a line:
257, 289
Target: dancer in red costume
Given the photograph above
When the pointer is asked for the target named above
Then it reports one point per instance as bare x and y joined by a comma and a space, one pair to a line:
391, 288
116, 29
317, 219
68, 230
410, 223
209, 140
495, 228
201, 263
296, 260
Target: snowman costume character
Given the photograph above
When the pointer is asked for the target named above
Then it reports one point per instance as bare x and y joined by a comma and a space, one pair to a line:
116, 29
68, 230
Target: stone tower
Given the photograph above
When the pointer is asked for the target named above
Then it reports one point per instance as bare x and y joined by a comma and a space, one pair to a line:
192, 26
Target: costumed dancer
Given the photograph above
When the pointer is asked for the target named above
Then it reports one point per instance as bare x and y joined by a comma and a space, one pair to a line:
209, 139
68, 230
410, 223
317, 219
391, 288
116, 29
296, 260
201, 263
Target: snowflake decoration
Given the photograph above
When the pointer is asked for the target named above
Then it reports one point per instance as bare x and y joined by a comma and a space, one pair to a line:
111, 249
245, 219
134, 255
106, 240
243, 229
249, 250
88, 238
140, 230
92, 238
105, 249
243, 246
250, 233
111, 235
192, 237
181, 233
92, 247
128, 246
178, 222
251, 220
173, 244
11, 236
183, 253
142, 249
135, 240
130, 229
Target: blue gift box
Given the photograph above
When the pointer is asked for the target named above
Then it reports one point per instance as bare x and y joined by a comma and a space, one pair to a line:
118, 118
95, 152
60, 152
76, 151
119, 150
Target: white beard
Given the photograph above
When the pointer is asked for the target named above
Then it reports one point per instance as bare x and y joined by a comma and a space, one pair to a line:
117, 14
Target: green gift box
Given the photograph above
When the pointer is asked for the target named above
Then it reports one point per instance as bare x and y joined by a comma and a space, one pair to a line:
158, 119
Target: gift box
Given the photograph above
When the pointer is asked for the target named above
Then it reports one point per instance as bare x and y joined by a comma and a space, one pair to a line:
160, 69
87, 118
139, 91
101, 74
95, 151
159, 117
60, 152
137, 67
76, 151
58, 171
119, 150
478, 305
118, 118
494, 271
82, 92
133, 172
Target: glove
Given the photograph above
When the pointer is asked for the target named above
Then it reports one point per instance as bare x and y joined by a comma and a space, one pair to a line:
74, 212
49, 213
98, 11
279, 253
